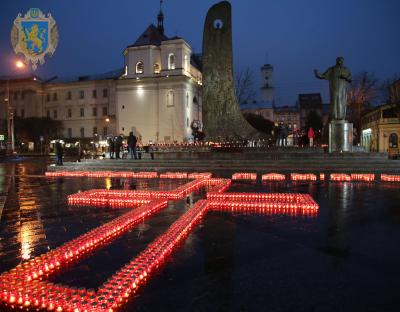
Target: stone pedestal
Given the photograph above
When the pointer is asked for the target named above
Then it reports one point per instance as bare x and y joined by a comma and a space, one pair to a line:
340, 136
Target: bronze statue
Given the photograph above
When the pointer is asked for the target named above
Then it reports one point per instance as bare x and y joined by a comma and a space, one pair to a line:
338, 77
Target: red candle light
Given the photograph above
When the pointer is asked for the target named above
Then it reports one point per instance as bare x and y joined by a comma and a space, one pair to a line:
273, 177
244, 176
303, 177
340, 177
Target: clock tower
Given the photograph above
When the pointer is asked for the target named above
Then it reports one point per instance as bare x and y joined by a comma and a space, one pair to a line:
267, 87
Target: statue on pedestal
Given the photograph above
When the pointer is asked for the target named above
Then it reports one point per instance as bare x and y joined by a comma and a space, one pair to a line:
338, 77
340, 131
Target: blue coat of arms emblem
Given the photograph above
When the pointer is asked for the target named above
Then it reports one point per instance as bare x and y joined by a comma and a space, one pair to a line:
34, 35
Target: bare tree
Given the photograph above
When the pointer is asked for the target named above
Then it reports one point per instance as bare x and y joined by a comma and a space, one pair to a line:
244, 85
388, 93
361, 94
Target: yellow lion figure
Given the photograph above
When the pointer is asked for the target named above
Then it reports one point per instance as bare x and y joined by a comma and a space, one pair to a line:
33, 36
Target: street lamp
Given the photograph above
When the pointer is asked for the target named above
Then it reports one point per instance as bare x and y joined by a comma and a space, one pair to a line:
10, 113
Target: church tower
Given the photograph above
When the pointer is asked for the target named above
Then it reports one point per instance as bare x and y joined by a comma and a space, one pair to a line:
160, 19
267, 87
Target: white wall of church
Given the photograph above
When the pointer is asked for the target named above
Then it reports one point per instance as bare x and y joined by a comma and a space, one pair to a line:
157, 111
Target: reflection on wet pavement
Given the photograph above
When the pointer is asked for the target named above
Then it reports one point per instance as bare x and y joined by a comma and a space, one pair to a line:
344, 259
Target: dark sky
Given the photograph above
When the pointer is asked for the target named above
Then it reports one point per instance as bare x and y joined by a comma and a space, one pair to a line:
297, 35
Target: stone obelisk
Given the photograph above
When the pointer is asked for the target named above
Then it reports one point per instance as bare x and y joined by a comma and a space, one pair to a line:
222, 117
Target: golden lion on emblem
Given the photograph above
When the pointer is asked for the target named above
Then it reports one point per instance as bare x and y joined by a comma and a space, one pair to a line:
34, 37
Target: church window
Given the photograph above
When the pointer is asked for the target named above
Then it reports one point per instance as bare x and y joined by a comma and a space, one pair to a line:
171, 61
139, 67
393, 140
170, 98
157, 69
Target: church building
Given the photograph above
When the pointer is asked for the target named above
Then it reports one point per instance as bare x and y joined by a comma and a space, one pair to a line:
159, 95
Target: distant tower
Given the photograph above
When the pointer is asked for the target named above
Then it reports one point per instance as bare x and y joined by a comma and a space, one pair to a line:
160, 19
267, 87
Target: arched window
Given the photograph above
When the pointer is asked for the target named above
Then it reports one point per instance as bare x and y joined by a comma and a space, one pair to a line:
139, 67
157, 68
170, 98
171, 61
187, 100
393, 140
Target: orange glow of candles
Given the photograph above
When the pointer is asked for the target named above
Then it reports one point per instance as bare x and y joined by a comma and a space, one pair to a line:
273, 177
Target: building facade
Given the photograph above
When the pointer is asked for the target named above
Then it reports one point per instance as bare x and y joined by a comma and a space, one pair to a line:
264, 109
307, 103
157, 94
380, 130
288, 115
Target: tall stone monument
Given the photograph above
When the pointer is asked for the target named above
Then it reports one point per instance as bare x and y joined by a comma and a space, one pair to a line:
340, 131
222, 116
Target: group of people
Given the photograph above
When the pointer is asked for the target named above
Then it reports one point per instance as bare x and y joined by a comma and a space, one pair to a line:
115, 146
300, 138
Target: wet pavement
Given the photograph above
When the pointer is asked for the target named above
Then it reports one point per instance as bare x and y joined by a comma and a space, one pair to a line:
346, 258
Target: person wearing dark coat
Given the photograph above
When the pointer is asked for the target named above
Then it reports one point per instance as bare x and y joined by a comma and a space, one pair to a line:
59, 153
132, 141
118, 145
111, 147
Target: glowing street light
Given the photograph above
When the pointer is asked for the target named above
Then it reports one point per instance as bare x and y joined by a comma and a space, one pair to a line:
19, 64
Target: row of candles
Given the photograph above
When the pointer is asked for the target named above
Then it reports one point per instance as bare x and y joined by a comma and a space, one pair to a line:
129, 174
130, 198
366, 177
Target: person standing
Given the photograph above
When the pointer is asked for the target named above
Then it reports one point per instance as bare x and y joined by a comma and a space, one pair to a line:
118, 145
132, 141
59, 153
311, 136
111, 145
296, 136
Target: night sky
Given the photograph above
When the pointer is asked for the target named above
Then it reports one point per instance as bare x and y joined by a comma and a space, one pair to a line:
295, 36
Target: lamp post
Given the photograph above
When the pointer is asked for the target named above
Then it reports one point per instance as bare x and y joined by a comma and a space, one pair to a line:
10, 114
